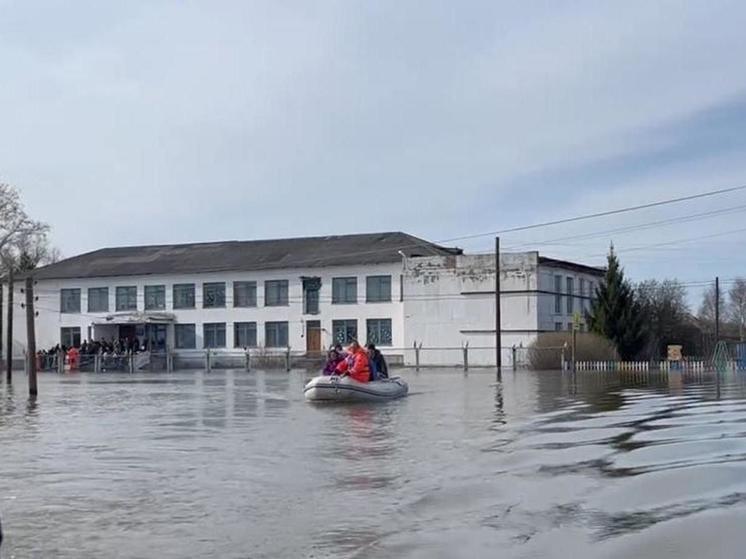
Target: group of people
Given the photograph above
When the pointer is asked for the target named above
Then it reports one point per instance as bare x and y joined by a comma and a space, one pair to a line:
112, 349
364, 364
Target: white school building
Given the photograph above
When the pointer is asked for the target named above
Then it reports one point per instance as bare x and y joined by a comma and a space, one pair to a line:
392, 289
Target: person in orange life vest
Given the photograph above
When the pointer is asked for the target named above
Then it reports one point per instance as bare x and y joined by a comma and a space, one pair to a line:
73, 358
356, 365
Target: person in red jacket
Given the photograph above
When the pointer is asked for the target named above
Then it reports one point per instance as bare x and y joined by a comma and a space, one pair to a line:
356, 365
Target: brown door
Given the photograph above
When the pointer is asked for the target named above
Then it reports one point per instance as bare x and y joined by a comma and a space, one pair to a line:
313, 335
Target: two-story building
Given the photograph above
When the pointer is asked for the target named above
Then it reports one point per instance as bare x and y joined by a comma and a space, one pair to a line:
391, 289
303, 293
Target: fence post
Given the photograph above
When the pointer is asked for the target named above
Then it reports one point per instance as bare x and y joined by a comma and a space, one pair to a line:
96, 363
248, 360
60, 362
287, 359
417, 356
132, 362
169, 360
515, 363
208, 364
466, 356
562, 357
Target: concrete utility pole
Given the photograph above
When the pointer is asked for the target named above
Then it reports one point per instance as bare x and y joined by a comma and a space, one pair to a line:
717, 309
31, 336
9, 333
498, 331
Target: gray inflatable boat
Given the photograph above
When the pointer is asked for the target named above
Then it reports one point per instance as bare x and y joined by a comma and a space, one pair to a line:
344, 389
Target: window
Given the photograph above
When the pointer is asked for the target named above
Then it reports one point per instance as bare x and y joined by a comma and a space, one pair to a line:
311, 289
126, 298
558, 327
213, 295
70, 337
155, 297
275, 293
244, 334
570, 295
98, 299
582, 287
244, 294
344, 291
276, 334
70, 300
379, 331
344, 331
558, 295
569, 326
185, 335
378, 289
183, 295
214, 334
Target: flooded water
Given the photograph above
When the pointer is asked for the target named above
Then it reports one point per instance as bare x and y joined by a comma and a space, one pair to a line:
237, 465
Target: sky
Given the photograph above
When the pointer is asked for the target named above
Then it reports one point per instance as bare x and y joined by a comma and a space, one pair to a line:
148, 122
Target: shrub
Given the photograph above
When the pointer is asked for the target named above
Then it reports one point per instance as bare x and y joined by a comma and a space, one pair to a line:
545, 352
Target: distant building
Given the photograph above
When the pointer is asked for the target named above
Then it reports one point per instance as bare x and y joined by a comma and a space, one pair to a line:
305, 293
449, 301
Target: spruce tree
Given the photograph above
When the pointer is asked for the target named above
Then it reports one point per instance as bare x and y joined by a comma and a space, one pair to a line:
615, 312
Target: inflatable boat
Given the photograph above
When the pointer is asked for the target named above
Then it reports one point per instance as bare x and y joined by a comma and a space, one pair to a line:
344, 389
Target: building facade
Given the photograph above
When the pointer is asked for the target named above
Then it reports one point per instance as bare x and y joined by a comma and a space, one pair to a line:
391, 289
449, 301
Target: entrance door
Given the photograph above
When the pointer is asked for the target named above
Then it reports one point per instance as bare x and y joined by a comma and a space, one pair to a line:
313, 336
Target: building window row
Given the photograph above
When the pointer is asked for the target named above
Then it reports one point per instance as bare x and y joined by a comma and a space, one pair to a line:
584, 294
276, 335
276, 294
214, 335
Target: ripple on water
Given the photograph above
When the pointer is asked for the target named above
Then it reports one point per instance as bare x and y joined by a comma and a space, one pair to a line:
236, 464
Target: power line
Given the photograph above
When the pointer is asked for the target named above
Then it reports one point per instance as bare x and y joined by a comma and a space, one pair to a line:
638, 227
606, 213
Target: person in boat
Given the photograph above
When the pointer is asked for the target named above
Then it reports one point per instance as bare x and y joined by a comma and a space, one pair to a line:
333, 358
356, 364
377, 362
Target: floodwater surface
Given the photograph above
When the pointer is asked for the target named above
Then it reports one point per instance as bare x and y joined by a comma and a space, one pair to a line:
237, 465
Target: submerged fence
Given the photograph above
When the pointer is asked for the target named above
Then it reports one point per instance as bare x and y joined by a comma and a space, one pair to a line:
417, 356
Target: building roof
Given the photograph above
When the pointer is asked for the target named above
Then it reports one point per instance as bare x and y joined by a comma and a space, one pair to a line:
574, 266
272, 254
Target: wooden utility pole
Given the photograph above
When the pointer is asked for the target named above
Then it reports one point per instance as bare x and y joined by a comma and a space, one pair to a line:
31, 336
498, 331
9, 333
717, 309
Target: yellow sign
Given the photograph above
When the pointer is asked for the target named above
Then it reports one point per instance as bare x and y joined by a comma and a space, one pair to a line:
674, 353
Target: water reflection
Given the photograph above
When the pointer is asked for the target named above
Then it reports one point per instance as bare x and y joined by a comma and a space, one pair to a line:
236, 464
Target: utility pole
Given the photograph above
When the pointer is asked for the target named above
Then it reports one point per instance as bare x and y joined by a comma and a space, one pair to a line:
9, 333
31, 336
717, 310
498, 331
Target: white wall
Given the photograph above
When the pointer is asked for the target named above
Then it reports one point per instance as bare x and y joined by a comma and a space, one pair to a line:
449, 301
50, 320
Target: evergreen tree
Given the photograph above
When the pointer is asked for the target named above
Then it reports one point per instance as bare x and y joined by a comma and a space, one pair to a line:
615, 312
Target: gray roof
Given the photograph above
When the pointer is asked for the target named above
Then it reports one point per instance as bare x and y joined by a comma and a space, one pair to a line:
305, 252
574, 266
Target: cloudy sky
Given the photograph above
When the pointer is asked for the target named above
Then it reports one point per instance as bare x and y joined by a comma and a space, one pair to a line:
156, 121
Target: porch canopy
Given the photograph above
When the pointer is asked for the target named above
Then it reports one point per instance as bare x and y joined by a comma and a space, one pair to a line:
137, 318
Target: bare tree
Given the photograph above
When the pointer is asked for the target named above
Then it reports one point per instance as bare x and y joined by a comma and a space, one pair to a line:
36, 251
737, 306
707, 307
17, 229
666, 316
